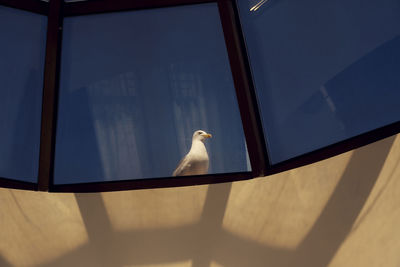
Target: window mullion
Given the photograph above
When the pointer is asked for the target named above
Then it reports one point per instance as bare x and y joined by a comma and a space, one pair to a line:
50, 87
244, 88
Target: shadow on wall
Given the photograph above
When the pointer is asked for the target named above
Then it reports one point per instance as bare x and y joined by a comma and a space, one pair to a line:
4, 263
206, 241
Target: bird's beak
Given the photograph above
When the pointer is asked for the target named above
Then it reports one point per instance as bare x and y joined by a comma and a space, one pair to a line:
207, 135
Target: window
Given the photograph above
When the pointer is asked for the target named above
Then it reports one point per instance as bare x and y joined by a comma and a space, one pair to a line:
323, 72
106, 95
131, 96
22, 51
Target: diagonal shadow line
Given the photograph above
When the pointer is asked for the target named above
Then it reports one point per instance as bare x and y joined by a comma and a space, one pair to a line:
94, 215
391, 177
138, 247
97, 225
23, 213
210, 225
155, 246
345, 204
330, 229
208, 241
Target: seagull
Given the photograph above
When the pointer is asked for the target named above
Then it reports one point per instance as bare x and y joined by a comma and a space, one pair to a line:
196, 161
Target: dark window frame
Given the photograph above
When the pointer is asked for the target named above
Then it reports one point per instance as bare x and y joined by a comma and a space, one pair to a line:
35, 6
56, 10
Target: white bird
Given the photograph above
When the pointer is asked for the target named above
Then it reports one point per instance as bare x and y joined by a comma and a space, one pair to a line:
196, 161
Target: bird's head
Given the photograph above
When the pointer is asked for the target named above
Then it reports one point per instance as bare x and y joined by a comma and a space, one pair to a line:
201, 135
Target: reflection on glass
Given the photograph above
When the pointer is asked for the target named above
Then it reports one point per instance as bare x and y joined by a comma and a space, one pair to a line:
323, 72
22, 51
131, 96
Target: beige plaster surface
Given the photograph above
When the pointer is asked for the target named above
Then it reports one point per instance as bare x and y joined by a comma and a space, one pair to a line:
343, 211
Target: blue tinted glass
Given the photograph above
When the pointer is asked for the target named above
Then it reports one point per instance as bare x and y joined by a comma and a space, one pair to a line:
134, 88
324, 71
22, 52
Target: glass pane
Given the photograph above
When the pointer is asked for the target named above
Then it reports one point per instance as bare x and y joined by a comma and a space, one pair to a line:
22, 52
324, 71
134, 88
